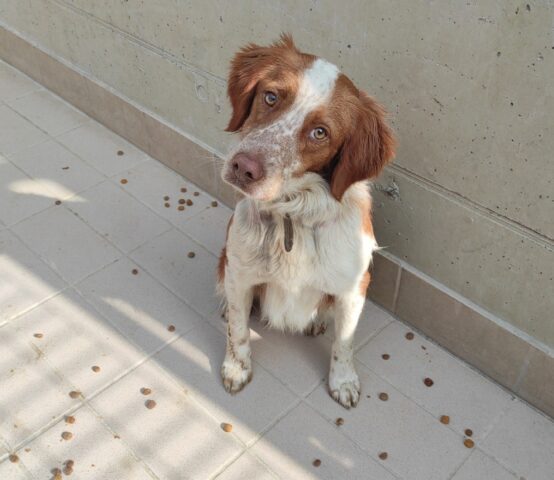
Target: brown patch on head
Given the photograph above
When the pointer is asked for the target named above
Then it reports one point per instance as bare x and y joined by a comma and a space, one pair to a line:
364, 283
256, 69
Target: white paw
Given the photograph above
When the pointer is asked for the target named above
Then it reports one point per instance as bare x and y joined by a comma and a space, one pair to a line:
235, 375
345, 391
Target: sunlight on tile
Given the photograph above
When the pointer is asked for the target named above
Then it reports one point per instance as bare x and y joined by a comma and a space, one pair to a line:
45, 188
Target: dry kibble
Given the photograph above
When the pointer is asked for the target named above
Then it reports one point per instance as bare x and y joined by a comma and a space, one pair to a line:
383, 396
145, 391
316, 462
196, 194
428, 382
214, 204
57, 474
70, 419
123, 181
69, 463
13, 458
339, 421
95, 368
166, 198
189, 202
150, 404
409, 336
180, 208
385, 356
134, 271
74, 394
67, 470
183, 190
227, 427
38, 335
67, 435
182, 201
120, 152
167, 205
383, 455
469, 443
58, 202
171, 328
445, 419
191, 255
468, 432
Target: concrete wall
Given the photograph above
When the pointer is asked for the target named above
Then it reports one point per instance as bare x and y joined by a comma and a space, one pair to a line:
469, 86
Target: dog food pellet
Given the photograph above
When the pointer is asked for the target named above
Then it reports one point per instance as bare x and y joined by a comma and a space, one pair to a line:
13, 458
428, 382
120, 152
38, 335
69, 463
409, 336
74, 394
67, 435
70, 419
180, 208
58, 202
145, 391
183, 190
150, 404
339, 421
468, 432
166, 198
95, 368
57, 474
196, 194
385, 356
171, 328
383, 455
182, 201
316, 462
189, 202
167, 205
134, 271
214, 204
67, 470
445, 419
383, 396
191, 254
123, 181
227, 427
469, 443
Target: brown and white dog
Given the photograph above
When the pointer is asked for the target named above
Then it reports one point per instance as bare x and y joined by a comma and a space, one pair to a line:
300, 242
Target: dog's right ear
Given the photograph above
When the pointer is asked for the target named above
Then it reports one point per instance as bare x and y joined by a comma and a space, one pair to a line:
247, 68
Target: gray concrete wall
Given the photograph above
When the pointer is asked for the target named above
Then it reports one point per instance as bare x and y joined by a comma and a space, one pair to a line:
469, 86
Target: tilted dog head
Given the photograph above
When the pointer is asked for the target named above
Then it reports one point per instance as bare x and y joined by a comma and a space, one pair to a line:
297, 115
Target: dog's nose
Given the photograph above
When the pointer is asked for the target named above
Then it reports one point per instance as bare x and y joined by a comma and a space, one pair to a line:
247, 169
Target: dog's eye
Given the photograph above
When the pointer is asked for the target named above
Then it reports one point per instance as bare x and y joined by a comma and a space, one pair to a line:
270, 98
319, 133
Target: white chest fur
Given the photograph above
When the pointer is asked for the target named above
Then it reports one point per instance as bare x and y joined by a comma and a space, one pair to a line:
329, 254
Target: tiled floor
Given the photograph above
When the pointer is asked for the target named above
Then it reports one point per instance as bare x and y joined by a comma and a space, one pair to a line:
94, 269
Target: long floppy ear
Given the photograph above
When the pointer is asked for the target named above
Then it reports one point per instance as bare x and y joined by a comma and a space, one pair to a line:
247, 68
367, 150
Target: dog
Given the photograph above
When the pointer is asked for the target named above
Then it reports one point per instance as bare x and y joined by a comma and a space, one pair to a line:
300, 241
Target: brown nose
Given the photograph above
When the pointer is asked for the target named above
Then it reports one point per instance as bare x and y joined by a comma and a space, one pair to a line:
247, 169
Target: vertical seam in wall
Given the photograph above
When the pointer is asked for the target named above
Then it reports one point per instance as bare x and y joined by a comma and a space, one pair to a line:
523, 370
396, 288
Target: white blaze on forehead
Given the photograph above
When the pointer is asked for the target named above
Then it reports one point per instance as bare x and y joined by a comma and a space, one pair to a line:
317, 82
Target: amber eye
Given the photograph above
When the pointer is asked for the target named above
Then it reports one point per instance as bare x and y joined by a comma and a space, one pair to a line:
270, 98
319, 133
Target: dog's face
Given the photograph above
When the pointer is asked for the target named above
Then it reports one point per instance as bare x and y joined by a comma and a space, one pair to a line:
297, 114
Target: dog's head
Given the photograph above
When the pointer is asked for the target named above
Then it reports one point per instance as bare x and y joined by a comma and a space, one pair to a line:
297, 114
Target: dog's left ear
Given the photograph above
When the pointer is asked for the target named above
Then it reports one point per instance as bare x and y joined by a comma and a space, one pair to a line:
369, 147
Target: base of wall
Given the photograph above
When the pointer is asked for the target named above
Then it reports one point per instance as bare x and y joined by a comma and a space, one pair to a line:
505, 354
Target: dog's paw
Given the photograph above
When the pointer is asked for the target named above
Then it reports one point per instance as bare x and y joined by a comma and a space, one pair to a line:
317, 327
346, 392
235, 376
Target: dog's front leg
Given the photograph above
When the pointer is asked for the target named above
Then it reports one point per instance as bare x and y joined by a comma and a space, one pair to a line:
236, 370
344, 384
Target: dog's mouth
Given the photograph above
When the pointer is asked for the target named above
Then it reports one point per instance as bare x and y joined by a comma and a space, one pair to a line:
265, 190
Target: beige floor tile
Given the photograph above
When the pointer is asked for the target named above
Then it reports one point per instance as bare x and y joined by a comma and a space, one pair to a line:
16, 133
